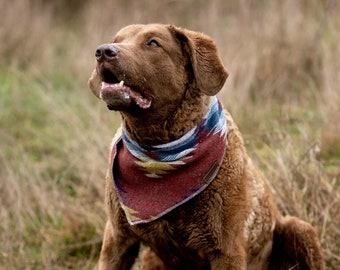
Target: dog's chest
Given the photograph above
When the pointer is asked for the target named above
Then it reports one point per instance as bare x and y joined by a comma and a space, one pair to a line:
183, 235
179, 249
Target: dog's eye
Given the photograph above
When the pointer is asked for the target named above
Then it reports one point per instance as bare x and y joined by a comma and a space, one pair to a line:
153, 43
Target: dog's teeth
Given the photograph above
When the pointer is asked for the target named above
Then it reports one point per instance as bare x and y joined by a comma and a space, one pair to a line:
121, 84
103, 85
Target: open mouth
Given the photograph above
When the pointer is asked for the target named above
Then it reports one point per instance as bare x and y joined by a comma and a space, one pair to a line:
117, 94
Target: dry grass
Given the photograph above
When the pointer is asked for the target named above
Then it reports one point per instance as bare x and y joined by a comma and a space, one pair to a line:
283, 91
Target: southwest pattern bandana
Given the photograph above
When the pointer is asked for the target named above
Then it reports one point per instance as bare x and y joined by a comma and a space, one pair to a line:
153, 180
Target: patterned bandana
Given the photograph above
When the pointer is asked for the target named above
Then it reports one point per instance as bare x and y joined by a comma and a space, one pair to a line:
153, 180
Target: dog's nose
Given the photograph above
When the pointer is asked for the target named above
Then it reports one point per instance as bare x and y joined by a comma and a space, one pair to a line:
106, 52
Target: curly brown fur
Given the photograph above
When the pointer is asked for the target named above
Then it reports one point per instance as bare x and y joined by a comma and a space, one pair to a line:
233, 223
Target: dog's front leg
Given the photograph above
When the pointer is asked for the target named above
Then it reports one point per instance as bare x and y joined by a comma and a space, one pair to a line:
236, 262
232, 258
117, 253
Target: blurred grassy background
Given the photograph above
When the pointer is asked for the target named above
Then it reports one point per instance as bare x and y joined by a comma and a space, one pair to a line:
283, 91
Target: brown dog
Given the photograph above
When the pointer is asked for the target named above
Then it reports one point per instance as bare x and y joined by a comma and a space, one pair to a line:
180, 180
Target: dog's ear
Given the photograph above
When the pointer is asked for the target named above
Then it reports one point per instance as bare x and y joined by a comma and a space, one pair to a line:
209, 72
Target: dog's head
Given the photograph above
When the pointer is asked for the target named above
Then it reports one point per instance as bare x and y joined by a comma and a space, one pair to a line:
147, 69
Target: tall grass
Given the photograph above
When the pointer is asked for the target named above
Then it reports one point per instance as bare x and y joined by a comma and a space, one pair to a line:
283, 91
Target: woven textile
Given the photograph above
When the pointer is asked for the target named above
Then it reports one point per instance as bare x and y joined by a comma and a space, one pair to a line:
153, 180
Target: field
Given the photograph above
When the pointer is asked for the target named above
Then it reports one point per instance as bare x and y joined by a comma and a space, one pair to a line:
283, 91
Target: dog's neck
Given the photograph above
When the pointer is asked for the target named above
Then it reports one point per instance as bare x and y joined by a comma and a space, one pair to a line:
188, 114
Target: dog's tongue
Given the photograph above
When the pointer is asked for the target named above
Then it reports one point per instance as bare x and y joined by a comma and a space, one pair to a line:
117, 94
